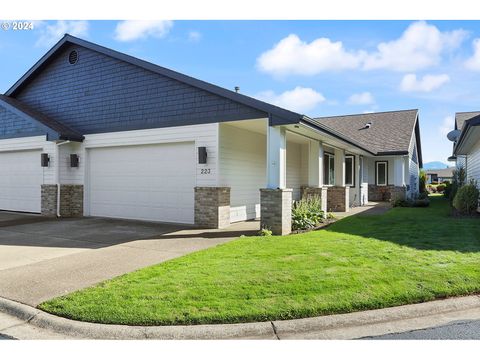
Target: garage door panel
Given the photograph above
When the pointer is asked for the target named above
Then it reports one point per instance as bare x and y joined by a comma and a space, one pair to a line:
21, 177
147, 182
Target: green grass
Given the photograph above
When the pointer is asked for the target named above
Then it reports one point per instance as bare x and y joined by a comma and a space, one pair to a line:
407, 255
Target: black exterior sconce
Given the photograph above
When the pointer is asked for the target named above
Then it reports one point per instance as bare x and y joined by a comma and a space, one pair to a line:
202, 155
74, 160
45, 160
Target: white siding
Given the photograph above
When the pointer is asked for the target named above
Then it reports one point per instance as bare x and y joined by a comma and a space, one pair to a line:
71, 175
297, 167
413, 168
33, 143
473, 163
242, 167
461, 162
371, 168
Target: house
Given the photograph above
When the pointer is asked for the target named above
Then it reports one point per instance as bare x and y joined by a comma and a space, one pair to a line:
89, 131
466, 143
439, 175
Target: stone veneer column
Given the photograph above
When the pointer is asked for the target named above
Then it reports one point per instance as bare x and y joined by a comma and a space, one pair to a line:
212, 207
71, 200
307, 191
338, 198
276, 210
49, 200
386, 193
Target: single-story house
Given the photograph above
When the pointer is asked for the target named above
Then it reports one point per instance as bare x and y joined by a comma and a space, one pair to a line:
439, 175
461, 119
89, 131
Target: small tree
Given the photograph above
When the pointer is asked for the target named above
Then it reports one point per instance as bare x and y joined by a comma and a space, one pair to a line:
466, 199
422, 181
459, 180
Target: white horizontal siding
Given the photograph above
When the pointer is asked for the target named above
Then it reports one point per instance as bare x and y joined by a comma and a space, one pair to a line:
413, 178
33, 143
71, 175
297, 167
473, 163
371, 172
203, 135
242, 167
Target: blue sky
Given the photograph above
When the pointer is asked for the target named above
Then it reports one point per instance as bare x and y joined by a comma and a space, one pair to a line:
318, 68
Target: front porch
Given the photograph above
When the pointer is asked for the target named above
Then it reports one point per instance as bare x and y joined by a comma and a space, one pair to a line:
263, 169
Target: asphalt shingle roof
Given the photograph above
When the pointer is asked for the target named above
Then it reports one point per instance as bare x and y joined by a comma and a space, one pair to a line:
390, 132
461, 117
448, 172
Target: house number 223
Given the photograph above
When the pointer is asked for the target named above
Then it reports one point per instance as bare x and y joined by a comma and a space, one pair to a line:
204, 171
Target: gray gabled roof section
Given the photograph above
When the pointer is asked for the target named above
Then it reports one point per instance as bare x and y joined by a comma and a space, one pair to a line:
54, 129
276, 114
389, 133
461, 117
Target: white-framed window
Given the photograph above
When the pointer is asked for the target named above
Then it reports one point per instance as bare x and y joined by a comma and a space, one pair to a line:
328, 169
350, 170
381, 173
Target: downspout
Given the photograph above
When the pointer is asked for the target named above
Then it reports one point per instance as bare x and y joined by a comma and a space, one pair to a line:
57, 172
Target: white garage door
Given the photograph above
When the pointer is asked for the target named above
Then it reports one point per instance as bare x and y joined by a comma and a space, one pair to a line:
21, 177
145, 182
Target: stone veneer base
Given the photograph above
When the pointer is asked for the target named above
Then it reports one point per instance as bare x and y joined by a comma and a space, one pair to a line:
212, 207
276, 210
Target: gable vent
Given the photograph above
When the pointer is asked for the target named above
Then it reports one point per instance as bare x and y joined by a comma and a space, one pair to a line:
73, 57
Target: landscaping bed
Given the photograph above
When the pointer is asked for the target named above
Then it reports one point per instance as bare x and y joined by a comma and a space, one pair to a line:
406, 255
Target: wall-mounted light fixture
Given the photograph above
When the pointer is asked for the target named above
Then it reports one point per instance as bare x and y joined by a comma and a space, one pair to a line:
45, 159
73, 160
202, 155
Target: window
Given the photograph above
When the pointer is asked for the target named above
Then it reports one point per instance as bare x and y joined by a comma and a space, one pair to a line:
381, 173
328, 169
350, 170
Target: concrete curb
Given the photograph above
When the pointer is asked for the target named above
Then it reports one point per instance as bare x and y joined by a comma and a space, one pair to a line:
343, 326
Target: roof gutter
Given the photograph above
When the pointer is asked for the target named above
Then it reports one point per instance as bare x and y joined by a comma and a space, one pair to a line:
475, 121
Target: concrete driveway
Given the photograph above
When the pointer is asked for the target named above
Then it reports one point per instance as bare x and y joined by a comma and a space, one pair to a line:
42, 258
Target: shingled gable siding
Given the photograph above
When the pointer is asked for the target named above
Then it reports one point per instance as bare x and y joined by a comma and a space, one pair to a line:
12, 125
103, 94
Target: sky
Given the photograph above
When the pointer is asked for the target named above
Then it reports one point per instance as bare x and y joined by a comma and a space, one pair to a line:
317, 68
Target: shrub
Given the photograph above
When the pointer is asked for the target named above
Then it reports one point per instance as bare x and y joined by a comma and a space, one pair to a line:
448, 190
466, 199
422, 180
307, 213
459, 179
265, 232
440, 188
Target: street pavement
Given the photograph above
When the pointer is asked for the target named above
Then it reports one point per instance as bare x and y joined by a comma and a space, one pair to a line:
458, 330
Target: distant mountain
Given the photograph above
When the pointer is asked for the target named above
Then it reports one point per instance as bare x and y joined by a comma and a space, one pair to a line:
435, 165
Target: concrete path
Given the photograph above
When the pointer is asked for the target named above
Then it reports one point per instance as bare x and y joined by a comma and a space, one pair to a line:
42, 259
24, 322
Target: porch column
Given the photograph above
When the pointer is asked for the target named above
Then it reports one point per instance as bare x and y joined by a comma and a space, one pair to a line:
339, 167
315, 174
339, 195
276, 200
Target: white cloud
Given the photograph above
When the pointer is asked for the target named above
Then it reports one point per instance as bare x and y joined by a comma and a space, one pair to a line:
299, 99
51, 33
473, 63
420, 46
294, 56
194, 36
446, 126
364, 98
130, 30
427, 83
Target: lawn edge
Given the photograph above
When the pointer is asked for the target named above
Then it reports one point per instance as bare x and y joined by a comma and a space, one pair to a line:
406, 317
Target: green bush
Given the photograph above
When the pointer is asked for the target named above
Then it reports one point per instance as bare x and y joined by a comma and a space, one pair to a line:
448, 190
466, 199
307, 213
422, 181
459, 179
265, 232
440, 187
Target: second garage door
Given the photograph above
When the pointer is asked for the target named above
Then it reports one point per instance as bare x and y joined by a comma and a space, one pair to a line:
145, 182
21, 177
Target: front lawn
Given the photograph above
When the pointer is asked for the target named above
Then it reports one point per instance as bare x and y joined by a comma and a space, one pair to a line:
405, 256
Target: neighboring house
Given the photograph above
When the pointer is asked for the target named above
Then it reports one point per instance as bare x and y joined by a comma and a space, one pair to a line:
91, 131
460, 119
439, 175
